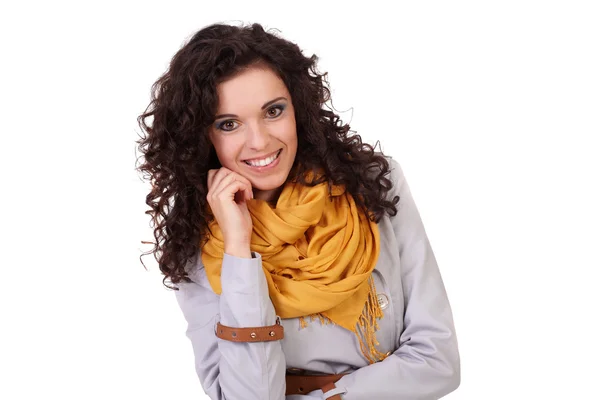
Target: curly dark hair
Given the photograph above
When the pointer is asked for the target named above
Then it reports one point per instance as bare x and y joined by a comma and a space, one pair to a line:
177, 152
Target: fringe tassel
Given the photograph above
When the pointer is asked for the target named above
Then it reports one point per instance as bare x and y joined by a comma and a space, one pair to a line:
323, 319
303, 323
367, 326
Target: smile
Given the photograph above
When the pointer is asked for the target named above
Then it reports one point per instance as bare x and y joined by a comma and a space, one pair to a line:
264, 162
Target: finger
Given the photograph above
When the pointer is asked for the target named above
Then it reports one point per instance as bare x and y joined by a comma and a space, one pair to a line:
218, 176
210, 178
221, 186
229, 190
248, 194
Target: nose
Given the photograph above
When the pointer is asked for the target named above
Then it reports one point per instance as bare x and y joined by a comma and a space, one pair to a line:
258, 137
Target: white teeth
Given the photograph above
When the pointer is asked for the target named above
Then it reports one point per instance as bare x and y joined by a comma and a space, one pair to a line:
264, 162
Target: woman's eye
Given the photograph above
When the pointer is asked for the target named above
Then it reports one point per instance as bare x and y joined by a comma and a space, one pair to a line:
227, 126
275, 111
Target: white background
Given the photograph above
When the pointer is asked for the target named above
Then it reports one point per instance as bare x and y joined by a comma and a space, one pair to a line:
492, 109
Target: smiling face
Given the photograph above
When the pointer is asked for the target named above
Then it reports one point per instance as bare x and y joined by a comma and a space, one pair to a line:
254, 133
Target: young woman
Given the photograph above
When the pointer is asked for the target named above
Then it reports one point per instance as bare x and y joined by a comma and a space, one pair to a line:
298, 256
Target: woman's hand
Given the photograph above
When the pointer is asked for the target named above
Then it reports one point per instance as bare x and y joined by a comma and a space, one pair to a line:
227, 194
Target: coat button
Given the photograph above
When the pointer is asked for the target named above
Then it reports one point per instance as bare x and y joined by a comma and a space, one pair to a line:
383, 301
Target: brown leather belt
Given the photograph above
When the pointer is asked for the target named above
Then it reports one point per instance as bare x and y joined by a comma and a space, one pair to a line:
302, 384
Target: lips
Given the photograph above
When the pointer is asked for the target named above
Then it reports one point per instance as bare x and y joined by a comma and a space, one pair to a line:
263, 161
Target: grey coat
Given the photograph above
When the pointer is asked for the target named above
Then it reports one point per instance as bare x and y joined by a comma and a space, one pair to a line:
417, 327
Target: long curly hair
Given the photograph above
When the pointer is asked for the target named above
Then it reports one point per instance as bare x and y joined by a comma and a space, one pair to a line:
177, 152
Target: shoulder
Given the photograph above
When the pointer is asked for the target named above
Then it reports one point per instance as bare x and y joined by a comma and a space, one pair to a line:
395, 175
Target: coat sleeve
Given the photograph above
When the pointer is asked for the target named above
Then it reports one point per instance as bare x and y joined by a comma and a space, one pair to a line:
230, 370
426, 365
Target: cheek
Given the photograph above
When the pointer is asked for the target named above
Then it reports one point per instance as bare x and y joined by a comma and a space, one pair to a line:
283, 131
294, 138
227, 151
291, 135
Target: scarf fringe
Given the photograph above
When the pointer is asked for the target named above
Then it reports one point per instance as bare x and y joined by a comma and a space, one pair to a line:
367, 326
323, 319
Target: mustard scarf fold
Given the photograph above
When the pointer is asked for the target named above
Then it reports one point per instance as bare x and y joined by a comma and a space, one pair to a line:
317, 254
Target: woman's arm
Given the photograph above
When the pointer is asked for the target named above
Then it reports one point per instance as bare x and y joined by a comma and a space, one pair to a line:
427, 363
231, 370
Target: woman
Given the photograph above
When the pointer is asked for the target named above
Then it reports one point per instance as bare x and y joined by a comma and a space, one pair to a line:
299, 257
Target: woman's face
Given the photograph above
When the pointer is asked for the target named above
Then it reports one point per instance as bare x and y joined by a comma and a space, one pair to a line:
254, 133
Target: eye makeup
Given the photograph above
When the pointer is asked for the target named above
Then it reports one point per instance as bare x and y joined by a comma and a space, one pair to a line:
222, 125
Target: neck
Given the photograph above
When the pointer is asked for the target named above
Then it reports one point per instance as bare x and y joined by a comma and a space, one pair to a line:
270, 196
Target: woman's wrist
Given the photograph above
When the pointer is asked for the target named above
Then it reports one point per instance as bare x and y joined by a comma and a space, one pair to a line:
241, 251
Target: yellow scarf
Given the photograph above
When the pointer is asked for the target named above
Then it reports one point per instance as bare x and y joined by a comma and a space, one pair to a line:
317, 254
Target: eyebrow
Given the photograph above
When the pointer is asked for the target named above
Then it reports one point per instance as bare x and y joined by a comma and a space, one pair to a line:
267, 104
